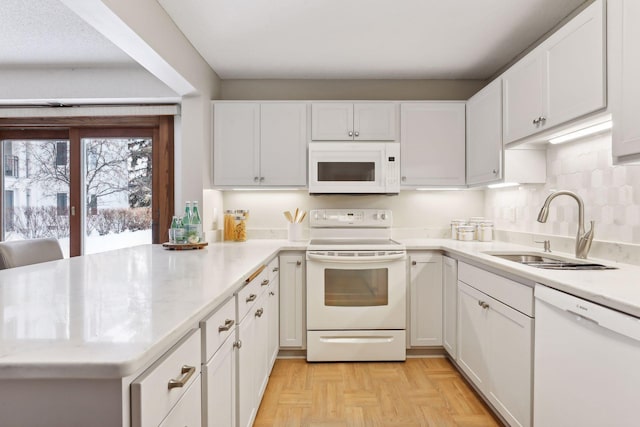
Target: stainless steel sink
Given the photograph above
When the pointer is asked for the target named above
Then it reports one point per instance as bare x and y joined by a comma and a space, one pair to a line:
549, 262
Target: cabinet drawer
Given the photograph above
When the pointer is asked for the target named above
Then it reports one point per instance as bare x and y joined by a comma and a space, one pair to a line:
248, 295
187, 411
151, 397
512, 293
217, 327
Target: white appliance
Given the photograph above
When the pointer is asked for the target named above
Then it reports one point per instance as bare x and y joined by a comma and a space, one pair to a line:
356, 287
354, 167
587, 363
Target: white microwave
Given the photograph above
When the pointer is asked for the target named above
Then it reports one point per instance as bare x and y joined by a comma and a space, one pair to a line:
354, 167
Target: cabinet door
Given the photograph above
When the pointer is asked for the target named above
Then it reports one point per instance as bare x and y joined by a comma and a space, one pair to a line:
261, 337
484, 135
273, 306
575, 57
374, 121
624, 84
426, 299
432, 143
219, 386
509, 350
524, 90
472, 335
246, 371
450, 305
283, 144
292, 301
332, 121
236, 140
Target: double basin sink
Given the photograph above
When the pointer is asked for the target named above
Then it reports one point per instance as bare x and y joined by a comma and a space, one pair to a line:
549, 262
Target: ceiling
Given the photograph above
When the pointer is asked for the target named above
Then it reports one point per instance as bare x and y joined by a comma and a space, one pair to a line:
37, 33
354, 39
361, 39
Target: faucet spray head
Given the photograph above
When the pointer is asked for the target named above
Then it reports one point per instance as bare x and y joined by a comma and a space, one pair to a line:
544, 213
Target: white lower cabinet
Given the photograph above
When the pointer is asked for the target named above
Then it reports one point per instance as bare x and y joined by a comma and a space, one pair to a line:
450, 305
495, 342
273, 312
186, 413
219, 386
425, 299
158, 391
292, 301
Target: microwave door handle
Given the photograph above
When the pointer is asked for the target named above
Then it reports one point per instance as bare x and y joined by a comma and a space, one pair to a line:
355, 259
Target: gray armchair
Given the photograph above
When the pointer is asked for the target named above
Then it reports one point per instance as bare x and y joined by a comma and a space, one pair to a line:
25, 252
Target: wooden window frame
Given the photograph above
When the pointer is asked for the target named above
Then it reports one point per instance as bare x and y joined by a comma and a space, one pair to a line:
160, 128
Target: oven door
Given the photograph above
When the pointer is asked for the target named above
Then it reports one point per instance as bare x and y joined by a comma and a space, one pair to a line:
353, 168
349, 290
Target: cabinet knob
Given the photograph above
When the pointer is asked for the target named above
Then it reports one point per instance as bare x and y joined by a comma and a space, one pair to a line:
271, 293
262, 179
350, 133
298, 262
483, 304
542, 119
414, 263
535, 121
265, 282
404, 178
259, 312
495, 172
237, 344
275, 269
256, 179
357, 133
251, 297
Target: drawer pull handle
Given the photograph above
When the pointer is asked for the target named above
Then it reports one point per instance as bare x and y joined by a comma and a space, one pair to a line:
275, 269
228, 323
187, 372
483, 304
255, 274
265, 282
271, 293
259, 312
251, 297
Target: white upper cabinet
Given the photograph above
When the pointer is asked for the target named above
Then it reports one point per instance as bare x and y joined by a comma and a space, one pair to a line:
484, 135
260, 144
432, 144
560, 80
624, 82
283, 147
346, 121
236, 144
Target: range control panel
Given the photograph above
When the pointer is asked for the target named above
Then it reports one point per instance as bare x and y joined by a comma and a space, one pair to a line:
351, 218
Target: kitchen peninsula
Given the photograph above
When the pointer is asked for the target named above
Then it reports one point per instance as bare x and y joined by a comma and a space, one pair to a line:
77, 332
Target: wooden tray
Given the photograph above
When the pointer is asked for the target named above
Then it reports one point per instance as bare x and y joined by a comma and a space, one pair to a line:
183, 246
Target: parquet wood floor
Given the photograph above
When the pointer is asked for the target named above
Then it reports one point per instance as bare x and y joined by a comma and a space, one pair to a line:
425, 392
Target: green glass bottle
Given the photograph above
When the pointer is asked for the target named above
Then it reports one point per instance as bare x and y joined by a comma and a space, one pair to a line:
196, 222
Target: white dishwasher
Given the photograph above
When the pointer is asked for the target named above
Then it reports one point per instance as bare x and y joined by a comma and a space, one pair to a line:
586, 364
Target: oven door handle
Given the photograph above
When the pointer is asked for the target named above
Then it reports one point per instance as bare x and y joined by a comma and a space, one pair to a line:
356, 259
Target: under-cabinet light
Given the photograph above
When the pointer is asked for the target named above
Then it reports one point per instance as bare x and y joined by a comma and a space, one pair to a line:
582, 132
503, 185
439, 189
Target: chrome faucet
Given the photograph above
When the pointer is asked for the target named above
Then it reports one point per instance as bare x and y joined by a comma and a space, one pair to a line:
583, 240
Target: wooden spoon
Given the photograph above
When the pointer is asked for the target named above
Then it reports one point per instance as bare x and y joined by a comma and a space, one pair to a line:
287, 215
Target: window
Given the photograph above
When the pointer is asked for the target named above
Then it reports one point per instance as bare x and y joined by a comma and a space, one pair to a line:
61, 154
28, 197
61, 204
93, 205
8, 210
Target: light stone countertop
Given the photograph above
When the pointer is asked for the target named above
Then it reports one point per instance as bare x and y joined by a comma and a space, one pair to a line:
109, 315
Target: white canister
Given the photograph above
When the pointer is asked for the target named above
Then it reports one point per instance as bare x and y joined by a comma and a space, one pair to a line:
466, 232
455, 223
475, 221
485, 231
294, 231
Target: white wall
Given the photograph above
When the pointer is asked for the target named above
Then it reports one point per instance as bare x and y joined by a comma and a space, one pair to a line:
611, 195
416, 213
